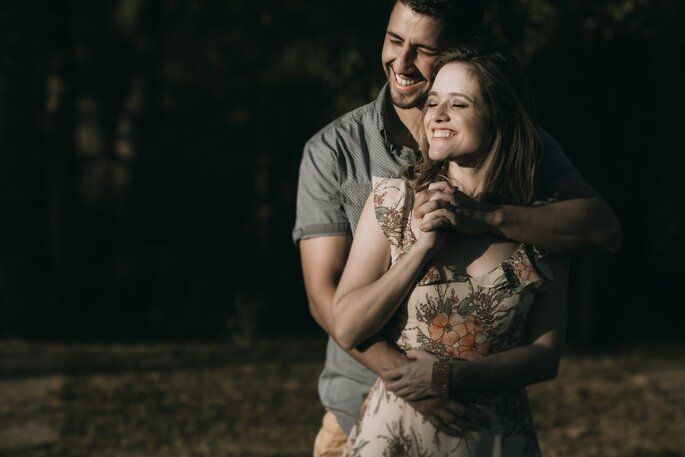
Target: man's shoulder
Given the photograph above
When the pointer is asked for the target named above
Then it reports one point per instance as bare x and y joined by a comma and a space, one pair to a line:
348, 127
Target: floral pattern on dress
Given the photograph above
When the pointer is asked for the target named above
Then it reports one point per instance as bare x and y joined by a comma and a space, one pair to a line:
453, 316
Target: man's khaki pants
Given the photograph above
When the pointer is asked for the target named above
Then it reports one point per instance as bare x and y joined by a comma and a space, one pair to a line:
331, 439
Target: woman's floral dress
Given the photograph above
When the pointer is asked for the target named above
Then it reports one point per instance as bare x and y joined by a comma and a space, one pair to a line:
452, 316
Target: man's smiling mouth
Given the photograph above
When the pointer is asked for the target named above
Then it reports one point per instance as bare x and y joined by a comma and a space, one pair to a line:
403, 81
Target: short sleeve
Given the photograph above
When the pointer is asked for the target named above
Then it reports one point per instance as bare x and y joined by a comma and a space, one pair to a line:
555, 165
529, 267
392, 212
320, 210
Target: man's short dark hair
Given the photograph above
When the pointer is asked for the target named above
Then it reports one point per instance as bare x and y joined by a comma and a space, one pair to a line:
463, 18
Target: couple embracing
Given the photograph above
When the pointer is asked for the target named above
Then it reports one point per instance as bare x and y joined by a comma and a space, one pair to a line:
451, 296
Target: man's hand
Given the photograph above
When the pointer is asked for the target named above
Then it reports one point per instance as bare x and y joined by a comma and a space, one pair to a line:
468, 216
450, 416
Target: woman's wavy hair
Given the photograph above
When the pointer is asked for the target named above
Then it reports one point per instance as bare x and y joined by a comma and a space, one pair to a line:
515, 146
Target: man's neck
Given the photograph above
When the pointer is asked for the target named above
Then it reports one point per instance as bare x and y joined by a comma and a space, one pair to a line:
404, 125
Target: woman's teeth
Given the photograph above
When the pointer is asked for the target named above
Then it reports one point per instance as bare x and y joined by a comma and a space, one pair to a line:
442, 133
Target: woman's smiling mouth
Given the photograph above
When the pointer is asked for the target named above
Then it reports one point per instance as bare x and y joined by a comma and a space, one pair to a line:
443, 133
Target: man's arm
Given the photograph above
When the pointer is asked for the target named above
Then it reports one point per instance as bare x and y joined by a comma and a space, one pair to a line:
323, 261
513, 368
581, 222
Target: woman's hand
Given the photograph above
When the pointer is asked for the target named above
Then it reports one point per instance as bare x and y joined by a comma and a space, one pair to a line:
413, 380
469, 216
440, 217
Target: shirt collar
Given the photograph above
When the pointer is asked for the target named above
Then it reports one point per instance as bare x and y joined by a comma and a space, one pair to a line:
382, 125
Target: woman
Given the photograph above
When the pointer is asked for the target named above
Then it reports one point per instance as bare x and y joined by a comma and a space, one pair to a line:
476, 312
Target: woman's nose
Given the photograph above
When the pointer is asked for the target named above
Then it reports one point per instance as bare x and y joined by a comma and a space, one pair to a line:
440, 114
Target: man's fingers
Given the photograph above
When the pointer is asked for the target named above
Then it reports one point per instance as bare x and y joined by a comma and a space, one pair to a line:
444, 428
475, 397
468, 412
456, 422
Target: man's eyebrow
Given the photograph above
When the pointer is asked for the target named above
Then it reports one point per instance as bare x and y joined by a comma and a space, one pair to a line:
394, 35
453, 94
418, 45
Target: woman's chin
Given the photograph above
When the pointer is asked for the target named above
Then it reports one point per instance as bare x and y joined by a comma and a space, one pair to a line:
438, 156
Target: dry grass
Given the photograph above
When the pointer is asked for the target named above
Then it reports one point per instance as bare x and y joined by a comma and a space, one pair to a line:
211, 400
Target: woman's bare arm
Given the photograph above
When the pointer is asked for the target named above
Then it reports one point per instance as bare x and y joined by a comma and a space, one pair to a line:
369, 293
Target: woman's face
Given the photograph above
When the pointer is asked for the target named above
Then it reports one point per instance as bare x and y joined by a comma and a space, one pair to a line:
456, 119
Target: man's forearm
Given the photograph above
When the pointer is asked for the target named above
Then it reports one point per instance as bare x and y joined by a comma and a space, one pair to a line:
510, 369
376, 354
576, 226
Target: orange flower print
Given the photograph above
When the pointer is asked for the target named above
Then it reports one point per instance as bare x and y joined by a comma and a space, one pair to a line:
525, 272
462, 337
378, 198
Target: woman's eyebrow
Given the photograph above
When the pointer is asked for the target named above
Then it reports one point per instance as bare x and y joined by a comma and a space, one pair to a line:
459, 94
453, 94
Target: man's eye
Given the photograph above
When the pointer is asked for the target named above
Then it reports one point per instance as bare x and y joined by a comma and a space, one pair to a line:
431, 104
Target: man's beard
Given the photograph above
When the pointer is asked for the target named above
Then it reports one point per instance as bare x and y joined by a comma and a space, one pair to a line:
407, 102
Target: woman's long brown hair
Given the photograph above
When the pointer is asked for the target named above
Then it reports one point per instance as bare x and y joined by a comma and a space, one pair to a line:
515, 149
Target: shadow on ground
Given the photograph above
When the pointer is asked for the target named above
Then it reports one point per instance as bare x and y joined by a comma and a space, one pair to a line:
218, 400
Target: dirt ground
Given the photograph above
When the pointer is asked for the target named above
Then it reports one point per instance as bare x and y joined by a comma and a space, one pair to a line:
217, 400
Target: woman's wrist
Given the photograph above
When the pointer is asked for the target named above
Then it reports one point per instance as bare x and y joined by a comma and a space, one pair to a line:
440, 379
424, 249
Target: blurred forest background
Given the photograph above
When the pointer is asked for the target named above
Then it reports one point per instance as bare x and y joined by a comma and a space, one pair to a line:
149, 153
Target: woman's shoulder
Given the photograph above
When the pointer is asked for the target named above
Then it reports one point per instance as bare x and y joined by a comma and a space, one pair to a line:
392, 201
390, 192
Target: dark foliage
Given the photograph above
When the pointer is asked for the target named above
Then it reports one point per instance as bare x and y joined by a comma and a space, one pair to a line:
149, 154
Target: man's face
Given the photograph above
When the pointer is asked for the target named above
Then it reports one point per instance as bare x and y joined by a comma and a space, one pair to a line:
412, 42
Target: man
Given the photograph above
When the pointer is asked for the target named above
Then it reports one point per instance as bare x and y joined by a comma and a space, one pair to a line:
378, 139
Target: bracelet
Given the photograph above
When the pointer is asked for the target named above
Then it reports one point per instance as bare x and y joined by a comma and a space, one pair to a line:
440, 379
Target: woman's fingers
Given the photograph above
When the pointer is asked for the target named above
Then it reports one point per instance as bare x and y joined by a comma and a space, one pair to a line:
394, 374
397, 384
413, 395
438, 219
414, 354
441, 185
430, 200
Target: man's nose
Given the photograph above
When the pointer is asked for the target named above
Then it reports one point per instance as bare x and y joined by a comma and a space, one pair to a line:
404, 62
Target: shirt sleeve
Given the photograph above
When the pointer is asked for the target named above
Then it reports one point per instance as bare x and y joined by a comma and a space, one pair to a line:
320, 210
555, 165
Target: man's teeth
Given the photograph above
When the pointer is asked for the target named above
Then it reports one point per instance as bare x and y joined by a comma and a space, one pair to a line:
404, 81
442, 133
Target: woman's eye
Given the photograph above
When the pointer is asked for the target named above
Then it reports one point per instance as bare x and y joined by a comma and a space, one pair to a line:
459, 105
